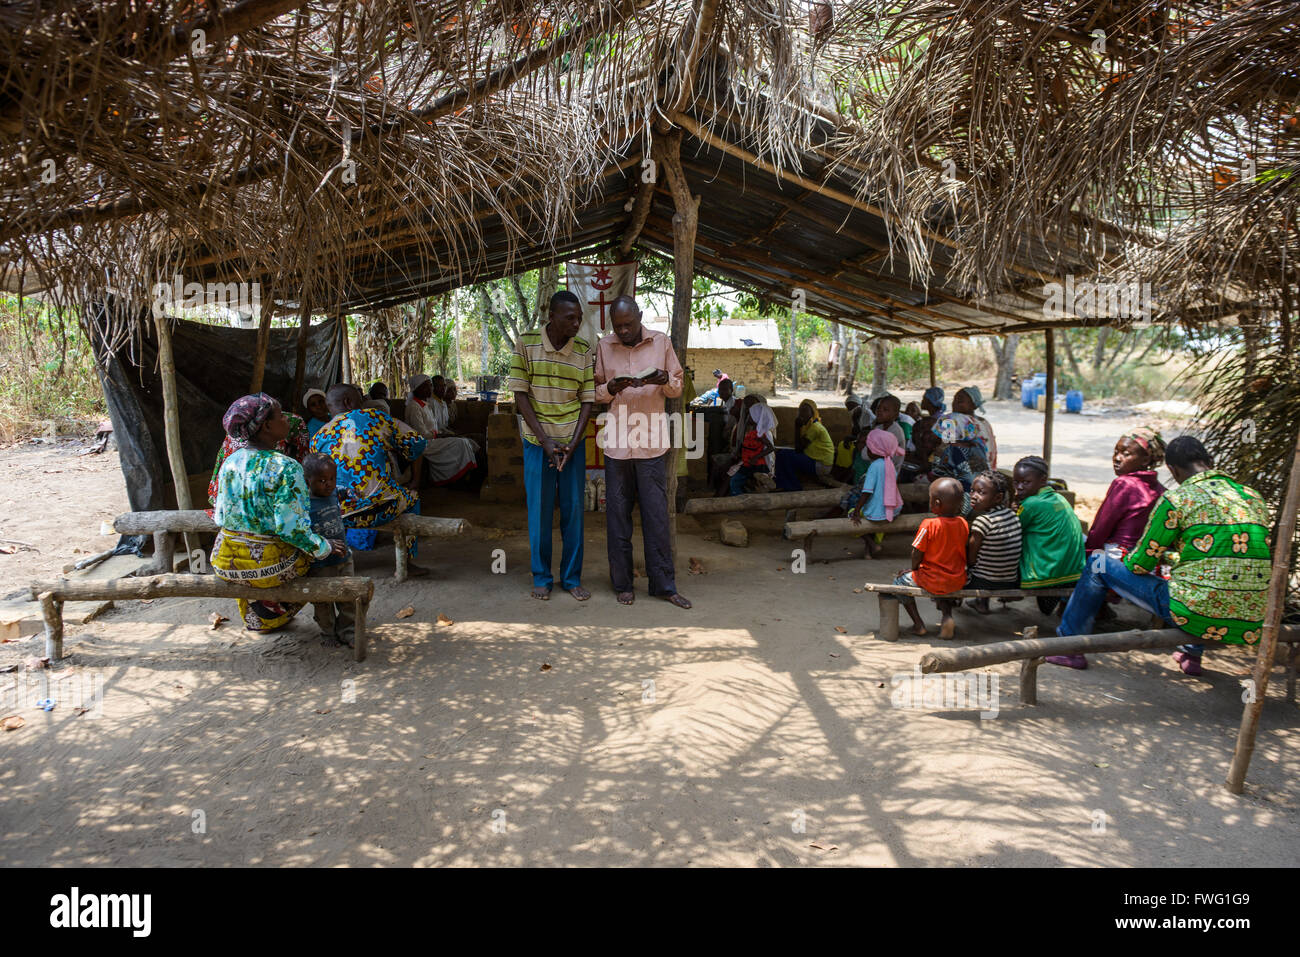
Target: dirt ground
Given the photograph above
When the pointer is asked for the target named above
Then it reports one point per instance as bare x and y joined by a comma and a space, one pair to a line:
758, 728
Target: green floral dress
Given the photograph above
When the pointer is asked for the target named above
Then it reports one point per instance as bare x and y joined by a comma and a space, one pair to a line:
1213, 532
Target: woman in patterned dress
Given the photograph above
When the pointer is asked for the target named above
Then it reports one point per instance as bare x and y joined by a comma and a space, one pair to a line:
262, 508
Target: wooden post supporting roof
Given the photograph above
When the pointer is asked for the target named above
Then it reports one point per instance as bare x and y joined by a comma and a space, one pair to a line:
172, 426
1049, 404
1277, 586
685, 220
300, 363
933, 383
267, 307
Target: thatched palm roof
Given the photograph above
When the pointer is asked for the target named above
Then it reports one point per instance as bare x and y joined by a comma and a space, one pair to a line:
915, 168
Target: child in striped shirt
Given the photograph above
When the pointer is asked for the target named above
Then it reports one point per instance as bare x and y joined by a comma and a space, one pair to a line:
993, 549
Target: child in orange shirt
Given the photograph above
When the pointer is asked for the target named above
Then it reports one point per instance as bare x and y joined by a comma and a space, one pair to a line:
938, 556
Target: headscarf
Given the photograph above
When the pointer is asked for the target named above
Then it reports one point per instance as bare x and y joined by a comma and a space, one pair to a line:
954, 427
306, 396
884, 444
935, 395
246, 416
763, 417
417, 380
1150, 440
816, 416
975, 395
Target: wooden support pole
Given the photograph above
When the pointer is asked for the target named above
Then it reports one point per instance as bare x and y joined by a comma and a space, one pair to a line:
686, 217
300, 363
1049, 408
52, 612
360, 637
267, 308
1277, 587
933, 383
172, 426
346, 347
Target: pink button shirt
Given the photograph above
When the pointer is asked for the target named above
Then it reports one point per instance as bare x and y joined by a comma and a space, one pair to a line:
629, 436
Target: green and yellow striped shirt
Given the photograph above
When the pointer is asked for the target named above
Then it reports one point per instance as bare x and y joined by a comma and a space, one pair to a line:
556, 381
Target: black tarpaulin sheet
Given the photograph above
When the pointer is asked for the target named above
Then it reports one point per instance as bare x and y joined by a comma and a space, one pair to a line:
214, 365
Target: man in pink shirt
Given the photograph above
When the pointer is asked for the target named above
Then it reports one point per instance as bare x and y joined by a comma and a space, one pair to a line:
636, 369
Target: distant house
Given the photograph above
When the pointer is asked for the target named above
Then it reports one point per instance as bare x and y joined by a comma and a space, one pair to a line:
743, 349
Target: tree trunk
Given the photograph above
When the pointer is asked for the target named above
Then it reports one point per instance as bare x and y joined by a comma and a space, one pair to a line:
880, 367
850, 362
1099, 352
548, 281
1069, 355
1004, 354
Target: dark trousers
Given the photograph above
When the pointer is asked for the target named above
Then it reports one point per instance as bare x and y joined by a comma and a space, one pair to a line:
627, 483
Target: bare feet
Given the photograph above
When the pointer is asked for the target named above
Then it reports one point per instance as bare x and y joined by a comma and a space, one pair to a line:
542, 594
626, 597
415, 571
920, 629
677, 600
948, 628
579, 593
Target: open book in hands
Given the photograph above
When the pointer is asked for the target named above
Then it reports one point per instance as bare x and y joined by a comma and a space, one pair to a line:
637, 379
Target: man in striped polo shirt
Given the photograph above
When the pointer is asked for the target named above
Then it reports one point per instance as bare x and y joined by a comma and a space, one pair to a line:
551, 377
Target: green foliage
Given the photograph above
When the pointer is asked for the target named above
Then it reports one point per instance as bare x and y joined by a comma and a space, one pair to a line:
46, 371
908, 366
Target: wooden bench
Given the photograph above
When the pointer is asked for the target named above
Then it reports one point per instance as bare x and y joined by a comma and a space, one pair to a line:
1031, 650
164, 526
52, 595
807, 531
889, 595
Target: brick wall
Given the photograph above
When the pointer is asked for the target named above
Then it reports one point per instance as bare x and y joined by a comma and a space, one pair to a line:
505, 458
753, 368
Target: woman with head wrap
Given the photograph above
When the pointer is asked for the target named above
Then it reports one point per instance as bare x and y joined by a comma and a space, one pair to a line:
969, 401
932, 401
878, 500
313, 400
1134, 492
755, 447
963, 446
813, 454
296, 445
446, 457
263, 511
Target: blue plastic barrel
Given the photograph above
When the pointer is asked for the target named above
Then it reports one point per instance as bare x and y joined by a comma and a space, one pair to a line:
1027, 393
1074, 401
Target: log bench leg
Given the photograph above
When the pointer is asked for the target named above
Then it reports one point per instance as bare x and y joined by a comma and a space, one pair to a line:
888, 618
807, 545
52, 610
403, 558
1029, 680
360, 637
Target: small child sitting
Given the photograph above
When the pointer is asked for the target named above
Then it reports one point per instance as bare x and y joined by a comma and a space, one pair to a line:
337, 621
938, 556
878, 499
993, 550
754, 448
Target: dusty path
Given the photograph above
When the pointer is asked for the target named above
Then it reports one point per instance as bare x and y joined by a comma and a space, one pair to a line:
748, 731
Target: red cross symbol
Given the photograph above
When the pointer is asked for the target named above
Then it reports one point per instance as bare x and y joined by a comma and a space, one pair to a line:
601, 282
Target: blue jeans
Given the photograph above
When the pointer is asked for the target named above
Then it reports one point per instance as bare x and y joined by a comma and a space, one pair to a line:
739, 480
789, 466
1102, 573
544, 487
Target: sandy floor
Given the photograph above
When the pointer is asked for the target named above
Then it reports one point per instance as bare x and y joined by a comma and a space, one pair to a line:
748, 731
